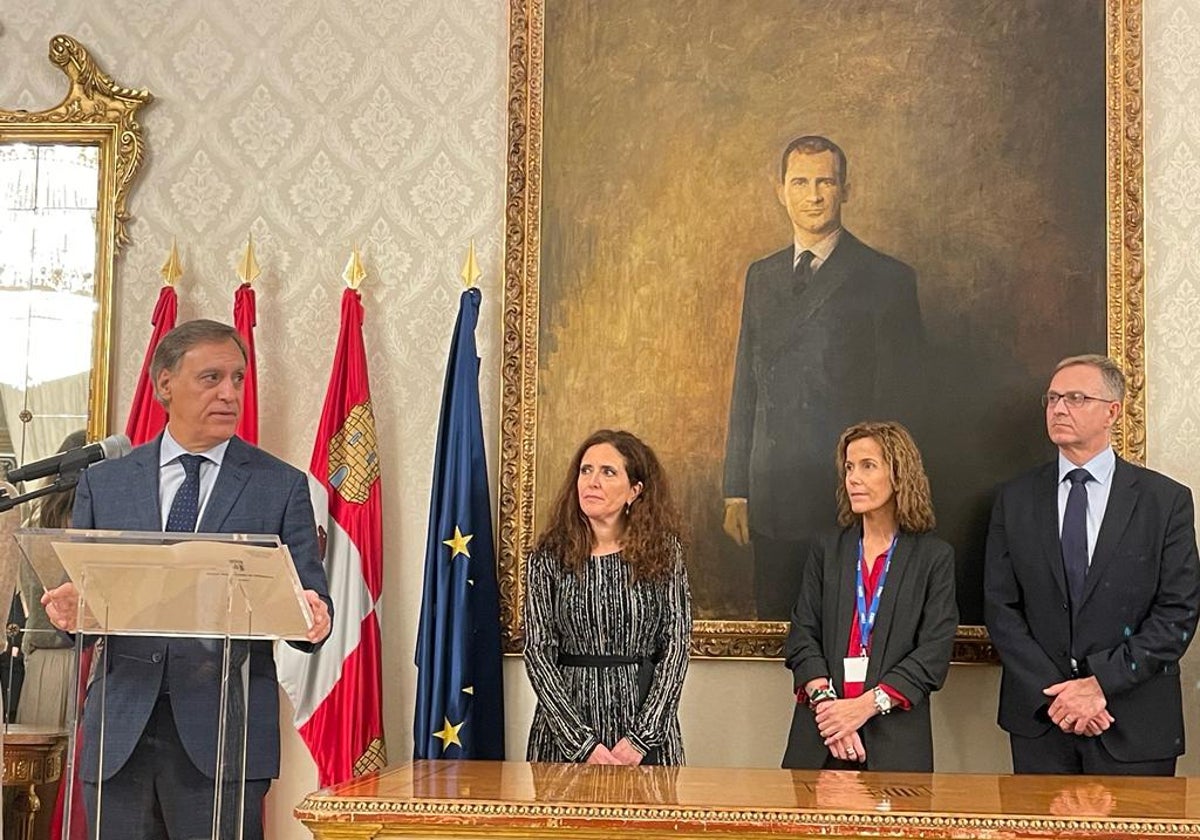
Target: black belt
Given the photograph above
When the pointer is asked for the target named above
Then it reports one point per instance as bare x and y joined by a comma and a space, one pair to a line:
645, 676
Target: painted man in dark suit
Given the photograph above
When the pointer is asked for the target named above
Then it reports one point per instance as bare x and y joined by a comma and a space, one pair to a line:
1091, 588
162, 696
830, 335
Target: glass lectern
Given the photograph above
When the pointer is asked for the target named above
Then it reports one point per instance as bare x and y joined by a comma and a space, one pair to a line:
211, 595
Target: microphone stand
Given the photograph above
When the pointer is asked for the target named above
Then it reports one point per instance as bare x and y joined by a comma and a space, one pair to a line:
68, 476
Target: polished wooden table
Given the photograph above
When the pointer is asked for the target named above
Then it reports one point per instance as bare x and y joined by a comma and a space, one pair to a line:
477, 799
33, 755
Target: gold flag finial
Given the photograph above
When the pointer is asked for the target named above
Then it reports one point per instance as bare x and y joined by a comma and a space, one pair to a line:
470, 271
172, 269
354, 273
247, 269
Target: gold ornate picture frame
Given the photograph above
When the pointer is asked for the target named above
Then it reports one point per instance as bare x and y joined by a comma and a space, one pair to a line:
573, 165
95, 112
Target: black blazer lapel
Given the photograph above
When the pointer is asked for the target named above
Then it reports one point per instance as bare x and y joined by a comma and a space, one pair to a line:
847, 562
1121, 501
828, 278
1045, 516
901, 560
231, 480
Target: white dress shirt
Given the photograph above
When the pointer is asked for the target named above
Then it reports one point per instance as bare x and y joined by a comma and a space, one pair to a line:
1101, 467
171, 473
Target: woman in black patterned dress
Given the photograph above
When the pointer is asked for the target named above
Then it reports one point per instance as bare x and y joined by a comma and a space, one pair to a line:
608, 615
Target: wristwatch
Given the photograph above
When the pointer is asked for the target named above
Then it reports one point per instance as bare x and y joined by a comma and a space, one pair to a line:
883, 701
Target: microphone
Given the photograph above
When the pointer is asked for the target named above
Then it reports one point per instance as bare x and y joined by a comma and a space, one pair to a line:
113, 446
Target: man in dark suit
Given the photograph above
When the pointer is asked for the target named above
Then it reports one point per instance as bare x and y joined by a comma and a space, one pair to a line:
830, 335
1091, 587
162, 696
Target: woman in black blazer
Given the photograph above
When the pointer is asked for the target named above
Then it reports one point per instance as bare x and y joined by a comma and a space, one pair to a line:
873, 628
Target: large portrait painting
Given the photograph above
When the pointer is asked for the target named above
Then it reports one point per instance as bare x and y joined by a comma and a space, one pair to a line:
988, 182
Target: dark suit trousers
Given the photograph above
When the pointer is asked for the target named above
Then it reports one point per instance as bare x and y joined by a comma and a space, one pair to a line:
778, 570
1058, 753
160, 795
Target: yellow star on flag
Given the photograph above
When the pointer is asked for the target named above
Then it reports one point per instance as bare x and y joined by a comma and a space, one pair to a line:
458, 543
449, 734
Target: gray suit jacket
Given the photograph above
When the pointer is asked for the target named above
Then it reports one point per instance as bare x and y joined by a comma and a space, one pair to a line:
910, 648
255, 493
1137, 617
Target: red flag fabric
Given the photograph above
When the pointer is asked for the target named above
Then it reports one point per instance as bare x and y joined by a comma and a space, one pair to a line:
245, 318
146, 416
337, 691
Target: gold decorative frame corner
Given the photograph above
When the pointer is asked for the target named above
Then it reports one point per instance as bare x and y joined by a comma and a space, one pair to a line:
1125, 300
96, 111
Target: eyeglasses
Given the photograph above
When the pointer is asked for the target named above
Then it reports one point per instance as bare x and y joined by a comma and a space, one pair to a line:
1073, 399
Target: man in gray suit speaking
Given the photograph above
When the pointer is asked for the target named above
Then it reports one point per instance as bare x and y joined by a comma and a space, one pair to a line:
830, 335
162, 697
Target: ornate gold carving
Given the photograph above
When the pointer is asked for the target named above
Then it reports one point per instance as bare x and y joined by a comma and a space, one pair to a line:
94, 99
96, 111
316, 809
34, 761
518, 420
1126, 233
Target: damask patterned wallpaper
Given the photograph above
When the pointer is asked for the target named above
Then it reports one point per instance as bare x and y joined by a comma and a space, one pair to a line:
1173, 270
315, 124
312, 125
1173, 237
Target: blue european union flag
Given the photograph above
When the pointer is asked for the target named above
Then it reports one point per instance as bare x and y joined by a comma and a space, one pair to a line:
460, 689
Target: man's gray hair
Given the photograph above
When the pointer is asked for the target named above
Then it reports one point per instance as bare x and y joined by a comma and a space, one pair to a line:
1110, 371
172, 347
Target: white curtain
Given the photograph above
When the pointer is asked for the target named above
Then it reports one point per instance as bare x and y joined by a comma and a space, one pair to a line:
58, 407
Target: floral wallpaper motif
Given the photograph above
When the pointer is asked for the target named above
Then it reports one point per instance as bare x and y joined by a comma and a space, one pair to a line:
1173, 237
1173, 267
314, 125
317, 124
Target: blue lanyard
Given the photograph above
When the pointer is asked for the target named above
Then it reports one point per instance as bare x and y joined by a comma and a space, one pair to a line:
866, 614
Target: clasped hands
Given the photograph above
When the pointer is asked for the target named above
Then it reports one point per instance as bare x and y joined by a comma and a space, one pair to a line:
838, 722
1079, 707
623, 752
62, 608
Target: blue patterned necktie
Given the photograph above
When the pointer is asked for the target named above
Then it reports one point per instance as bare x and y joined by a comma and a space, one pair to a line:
185, 507
1074, 535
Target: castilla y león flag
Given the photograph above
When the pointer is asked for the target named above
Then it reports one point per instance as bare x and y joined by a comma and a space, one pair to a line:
336, 691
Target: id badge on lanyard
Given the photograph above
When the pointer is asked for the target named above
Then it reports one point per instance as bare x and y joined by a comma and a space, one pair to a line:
856, 666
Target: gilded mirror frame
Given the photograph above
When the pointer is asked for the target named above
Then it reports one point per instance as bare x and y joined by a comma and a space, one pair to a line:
96, 111
1123, 290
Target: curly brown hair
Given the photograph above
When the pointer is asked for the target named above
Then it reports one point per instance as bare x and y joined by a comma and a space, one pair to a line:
914, 504
653, 527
